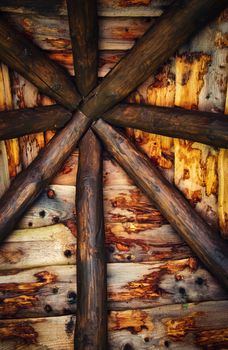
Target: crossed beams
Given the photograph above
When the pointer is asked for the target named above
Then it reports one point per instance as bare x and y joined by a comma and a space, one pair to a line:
174, 27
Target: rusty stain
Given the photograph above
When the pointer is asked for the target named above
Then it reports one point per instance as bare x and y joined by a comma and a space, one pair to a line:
149, 285
71, 225
20, 330
221, 40
59, 43
11, 256
11, 306
213, 339
43, 278
178, 328
51, 193
135, 321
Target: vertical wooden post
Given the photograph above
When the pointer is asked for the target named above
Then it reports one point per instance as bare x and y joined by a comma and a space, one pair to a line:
91, 321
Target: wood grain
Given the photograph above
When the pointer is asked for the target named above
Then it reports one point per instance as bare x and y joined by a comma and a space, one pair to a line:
169, 200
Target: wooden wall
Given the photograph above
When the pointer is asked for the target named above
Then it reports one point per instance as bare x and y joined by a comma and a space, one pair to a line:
159, 295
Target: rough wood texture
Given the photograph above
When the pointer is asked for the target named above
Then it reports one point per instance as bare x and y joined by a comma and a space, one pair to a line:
51, 290
29, 183
186, 326
23, 56
204, 127
175, 26
169, 200
91, 325
20, 122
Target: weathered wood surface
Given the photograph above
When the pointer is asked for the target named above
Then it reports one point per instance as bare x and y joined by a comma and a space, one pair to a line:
10, 168
108, 92
29, 183
16, 122
21, 54
204, 127
105, 7
186, 326
169, 200
51, 290
91, 316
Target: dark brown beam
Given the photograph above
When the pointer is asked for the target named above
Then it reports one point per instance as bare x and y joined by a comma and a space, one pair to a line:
21, 54
180, 21
198, 126
21, 122
206, 243
204, 127
91, 317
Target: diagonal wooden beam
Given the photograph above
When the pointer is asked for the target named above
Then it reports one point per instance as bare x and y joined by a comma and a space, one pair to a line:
203, 127
21, 54
206, 243
91, 315
128, 74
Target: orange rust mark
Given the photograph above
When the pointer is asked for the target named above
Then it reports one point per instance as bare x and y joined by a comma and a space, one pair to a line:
44, 278
215, 339
149, 285
178, 328
59, 43
122, 247
72, 227
10, 306
221, 40
22, 330
135, 321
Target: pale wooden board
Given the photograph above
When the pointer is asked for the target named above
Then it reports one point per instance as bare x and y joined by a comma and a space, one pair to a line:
105, 7
51, 290
12, 146
180, 327
125, 242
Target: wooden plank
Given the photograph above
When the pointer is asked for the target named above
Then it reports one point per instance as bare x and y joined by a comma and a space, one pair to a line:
12, 146
200, 84
125, 242
19, 53
186, 326
168, 199
105, 7
4, 175
51, 290
223, 187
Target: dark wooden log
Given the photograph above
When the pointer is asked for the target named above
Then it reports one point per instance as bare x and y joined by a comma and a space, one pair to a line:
91, 320
150, 51
84, 34
204, 127
206, 243
182, 19
29, 183
91, 325
22, 55
21, 122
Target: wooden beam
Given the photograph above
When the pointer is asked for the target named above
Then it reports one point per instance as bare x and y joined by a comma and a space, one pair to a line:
91, 325
206, 243
22, 55
30, 182
21, 122
203, 127
175, 27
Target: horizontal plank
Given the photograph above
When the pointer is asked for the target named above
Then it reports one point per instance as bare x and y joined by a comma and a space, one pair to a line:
53, 33
51, 290
121, 204
180, 327
125, 242
105, 7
